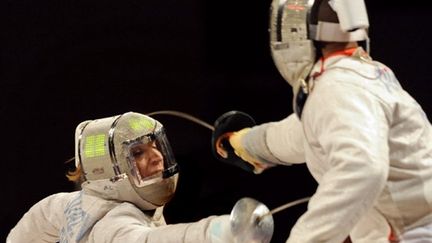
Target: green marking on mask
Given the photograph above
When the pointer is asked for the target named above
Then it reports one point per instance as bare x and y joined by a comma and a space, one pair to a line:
94, 146
140, 124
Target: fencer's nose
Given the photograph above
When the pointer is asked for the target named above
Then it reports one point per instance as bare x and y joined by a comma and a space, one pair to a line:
156, 160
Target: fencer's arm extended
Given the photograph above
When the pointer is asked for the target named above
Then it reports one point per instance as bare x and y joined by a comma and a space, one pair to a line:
249, 221
272, 143
125, 224
351, 131
42, 222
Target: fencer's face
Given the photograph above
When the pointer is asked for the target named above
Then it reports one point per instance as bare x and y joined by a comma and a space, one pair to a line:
148, 158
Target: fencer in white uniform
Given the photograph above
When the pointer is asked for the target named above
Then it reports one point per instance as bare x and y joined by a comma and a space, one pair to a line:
365, 140
129, 173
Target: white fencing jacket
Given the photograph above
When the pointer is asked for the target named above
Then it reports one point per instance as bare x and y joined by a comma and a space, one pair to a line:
368, 144
85, 216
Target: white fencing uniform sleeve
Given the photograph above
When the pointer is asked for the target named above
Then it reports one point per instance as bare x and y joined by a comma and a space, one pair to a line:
372, 227
285, 140
277, 142
349, 126
42, 222
126, 223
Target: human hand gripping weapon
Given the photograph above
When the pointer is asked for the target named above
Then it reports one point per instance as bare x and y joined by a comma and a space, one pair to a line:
248, 222
232, 125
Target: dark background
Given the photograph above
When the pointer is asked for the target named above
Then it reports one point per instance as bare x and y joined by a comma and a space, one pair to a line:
65, 61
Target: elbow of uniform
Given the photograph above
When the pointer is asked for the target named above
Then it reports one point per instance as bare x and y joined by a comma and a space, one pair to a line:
377, 175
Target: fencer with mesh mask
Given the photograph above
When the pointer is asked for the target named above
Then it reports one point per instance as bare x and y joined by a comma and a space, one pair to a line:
298, 26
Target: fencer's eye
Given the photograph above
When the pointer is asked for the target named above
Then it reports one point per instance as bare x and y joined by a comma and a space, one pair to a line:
137, 153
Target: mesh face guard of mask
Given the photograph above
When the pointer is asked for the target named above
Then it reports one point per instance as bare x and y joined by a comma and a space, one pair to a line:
296, 24
292, 50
